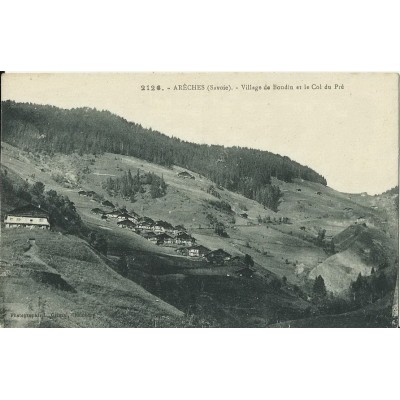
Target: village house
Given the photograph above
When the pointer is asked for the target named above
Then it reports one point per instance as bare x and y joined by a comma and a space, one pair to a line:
184, 251
361, 220
146, 219
198, 251
113, 214
185, 175
126, 223
163, 238
134, 215
151, 237
146, 226
163, 226
91, 193
28, 216
218, 256
178, 229
185, 239
129, 217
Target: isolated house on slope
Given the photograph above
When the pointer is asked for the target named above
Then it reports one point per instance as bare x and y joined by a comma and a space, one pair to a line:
361, 220
185, 175
28, 216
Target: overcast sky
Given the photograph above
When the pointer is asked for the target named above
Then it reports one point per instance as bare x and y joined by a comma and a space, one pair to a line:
348, 135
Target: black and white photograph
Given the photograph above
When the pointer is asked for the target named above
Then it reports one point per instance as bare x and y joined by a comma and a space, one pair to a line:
199, 200
180, 180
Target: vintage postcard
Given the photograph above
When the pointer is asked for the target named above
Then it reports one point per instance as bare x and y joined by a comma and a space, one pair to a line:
199, 200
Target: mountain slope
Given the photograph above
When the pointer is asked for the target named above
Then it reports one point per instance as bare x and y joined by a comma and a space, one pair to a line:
288, 249
63, 278
50, 129
284, 244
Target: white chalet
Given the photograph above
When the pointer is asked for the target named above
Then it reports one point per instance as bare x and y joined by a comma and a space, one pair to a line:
28, 216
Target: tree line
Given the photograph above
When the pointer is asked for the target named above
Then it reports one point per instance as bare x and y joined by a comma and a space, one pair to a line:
84, 130
62, 212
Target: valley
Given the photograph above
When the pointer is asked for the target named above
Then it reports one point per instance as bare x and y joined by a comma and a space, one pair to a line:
316, 231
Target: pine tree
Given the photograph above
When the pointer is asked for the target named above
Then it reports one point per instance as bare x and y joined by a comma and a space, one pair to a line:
319, 288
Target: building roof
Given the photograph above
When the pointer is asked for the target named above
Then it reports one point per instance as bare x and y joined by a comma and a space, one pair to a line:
107, 203
183, 235
125, 215
219, 253
29, 211
164, 224
146, 219
149, 235
164, 236
126, 222
180, 228
199, 248
115, 212
184, 173
144, 223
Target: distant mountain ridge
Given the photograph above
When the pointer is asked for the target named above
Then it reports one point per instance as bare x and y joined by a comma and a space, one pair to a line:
84, 130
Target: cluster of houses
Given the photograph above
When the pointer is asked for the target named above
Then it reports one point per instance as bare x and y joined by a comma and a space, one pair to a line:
159, 232
163, 233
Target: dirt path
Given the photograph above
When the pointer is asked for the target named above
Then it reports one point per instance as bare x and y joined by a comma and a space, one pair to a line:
32, 253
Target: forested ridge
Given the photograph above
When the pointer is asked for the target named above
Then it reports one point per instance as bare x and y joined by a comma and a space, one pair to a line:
84, 130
